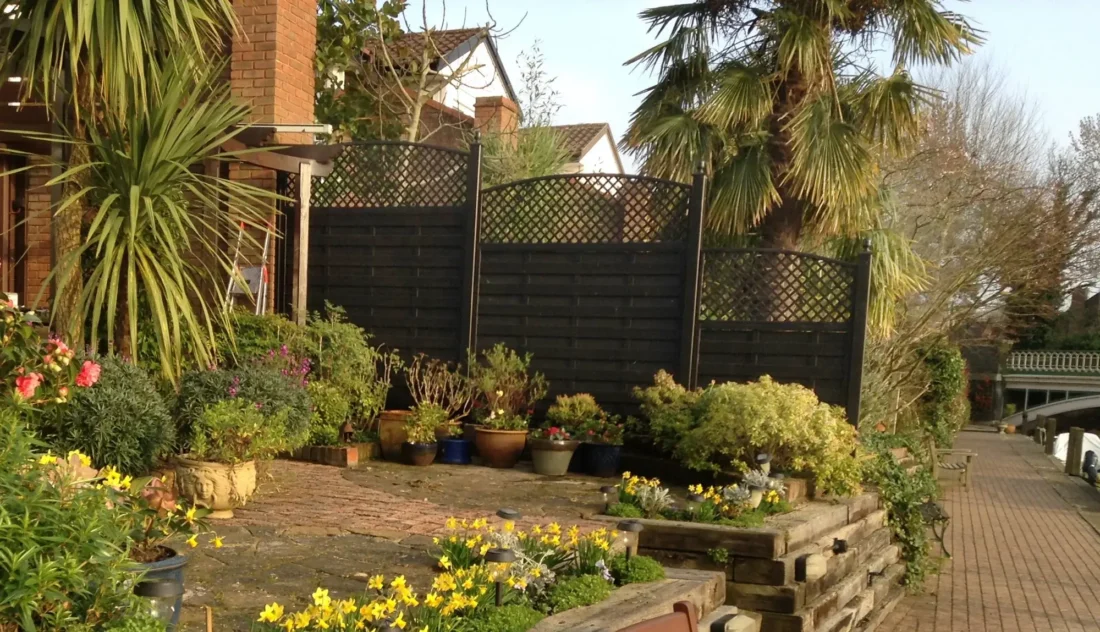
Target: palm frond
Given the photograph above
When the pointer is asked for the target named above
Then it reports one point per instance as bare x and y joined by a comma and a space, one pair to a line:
886, 109
830, 164
692, 25
804, 46
923, 33
742, 191
107, 49
741, 97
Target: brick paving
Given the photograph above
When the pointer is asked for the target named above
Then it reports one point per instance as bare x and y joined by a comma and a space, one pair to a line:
1023, 557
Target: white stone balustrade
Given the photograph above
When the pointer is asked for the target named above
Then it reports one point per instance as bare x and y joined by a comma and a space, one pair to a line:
1054, 362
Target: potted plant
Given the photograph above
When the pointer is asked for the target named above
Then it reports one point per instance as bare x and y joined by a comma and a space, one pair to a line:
501, 439
551, 450
455, 449
507, 393
575, 413
604, 439
433, 382
420, 428
219, 472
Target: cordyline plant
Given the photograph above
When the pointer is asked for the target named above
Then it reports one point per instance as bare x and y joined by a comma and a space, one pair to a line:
153, 243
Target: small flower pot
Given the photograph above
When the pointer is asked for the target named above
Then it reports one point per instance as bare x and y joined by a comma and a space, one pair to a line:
170, 568
455, 451
551, 458
500, 448
602, 459
391, 433
216, 486
420, 454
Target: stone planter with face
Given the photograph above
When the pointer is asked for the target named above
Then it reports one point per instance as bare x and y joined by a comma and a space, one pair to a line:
216, 486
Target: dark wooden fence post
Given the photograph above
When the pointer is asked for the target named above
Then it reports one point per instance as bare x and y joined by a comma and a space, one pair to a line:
693, 263
861, 293
467, 324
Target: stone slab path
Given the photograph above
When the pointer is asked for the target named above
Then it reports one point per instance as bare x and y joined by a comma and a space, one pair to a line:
1025, 556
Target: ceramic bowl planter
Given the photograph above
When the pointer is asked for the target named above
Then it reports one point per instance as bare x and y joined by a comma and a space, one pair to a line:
168, 568
602, 459
391, 432
216, 486
551, 458
500, 448
420, 454
455, 451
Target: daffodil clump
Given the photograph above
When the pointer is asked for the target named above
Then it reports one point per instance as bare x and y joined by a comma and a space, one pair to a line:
729, 505
453, 598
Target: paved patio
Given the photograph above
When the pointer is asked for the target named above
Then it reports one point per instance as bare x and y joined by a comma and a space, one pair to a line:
1025, 554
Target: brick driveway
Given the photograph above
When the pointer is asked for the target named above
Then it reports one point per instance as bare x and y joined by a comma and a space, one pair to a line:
1024, 557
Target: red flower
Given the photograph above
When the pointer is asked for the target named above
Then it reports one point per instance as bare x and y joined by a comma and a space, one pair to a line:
26, 385
89, 374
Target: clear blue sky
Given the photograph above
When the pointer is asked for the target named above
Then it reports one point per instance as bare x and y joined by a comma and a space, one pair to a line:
1049, 49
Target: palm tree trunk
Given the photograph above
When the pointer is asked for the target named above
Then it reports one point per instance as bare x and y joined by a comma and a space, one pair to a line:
65, 231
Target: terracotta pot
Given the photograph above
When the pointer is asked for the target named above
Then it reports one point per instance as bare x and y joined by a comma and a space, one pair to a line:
500, 448
391, 432
418, 453
551, 458
1010, 429
216, 486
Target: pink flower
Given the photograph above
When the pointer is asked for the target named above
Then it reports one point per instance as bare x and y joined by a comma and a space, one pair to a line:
89, 374
26, 385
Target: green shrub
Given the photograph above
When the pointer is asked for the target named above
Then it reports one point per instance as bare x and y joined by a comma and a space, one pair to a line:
902, 494
639, 569
944, 408
574, 412
505, 384
579, 591
122, 421
254, 335
423, 422
63, 563
513, 618
668, 409
330, 410
263, 385
343, 356
234, 431
625, 510
735, 422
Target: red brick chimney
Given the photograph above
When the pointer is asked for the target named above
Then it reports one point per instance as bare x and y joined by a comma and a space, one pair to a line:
272, 63
497, 116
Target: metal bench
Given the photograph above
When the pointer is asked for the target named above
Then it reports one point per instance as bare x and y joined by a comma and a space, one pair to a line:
934, 516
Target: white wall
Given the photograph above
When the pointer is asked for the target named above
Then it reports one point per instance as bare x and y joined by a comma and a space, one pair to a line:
601, 158
479, 78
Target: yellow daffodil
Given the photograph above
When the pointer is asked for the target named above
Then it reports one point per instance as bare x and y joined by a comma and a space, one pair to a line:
190, 516
553, 528
445, 562
471, 543
193, 541
509, 526
433, 599
347, 606
468, 584
535, 572
218, 542
453, 538
480, 523
398, 582
536, 530
452, 523
272, 613
47, 459
289, 624
376, 582
359, 625
321, 623
435, 540
391, 605
321, 598
484, 549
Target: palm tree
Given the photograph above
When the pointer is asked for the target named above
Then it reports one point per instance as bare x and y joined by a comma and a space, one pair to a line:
86, 55
152, 246
781, 101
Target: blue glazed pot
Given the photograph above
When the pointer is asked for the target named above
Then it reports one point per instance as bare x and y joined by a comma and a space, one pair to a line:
601, 459
170, 569
455, 451
578, 464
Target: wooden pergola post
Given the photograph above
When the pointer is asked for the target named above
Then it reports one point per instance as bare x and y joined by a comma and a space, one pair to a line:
301, 243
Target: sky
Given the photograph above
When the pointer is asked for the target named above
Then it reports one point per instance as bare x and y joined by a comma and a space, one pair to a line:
1048, 49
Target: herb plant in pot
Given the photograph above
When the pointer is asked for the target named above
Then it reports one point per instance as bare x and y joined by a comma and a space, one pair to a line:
219, 472
604, 439
574, 414
551, 450
420, 446
507, 394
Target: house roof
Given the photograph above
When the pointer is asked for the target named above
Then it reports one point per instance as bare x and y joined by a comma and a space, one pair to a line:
453, 44
579, 139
